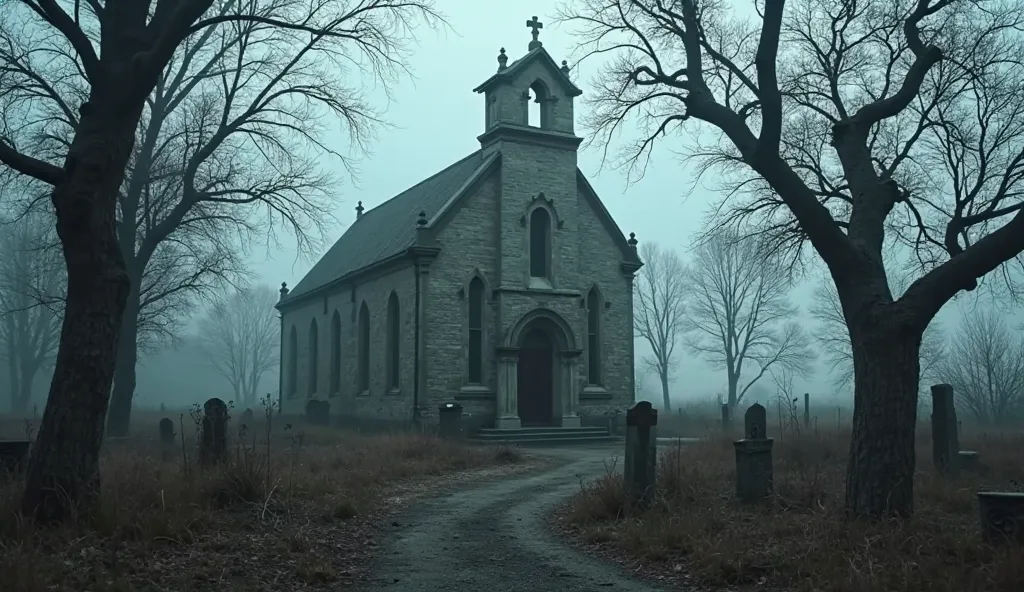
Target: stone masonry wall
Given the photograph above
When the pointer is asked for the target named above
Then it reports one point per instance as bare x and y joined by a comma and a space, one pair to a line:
469, 247
377, 403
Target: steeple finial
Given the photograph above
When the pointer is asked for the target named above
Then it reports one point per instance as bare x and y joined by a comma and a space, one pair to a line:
421, 221
502, 60
284, 290
632, 240
565, 67
359, 210
536, 26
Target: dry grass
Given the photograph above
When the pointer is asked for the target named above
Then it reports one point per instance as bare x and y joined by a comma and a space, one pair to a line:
299, 513
798, 540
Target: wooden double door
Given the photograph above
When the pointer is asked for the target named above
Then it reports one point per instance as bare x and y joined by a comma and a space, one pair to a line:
536, 380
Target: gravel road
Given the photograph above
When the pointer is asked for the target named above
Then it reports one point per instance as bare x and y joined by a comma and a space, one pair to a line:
490, 537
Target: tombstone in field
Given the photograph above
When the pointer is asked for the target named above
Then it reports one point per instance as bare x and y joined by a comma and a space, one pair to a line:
945, 439
1002, 516
213, 444
639, 467
248, 416
318, 412
754, 475
807, 410
167, 440
726, 416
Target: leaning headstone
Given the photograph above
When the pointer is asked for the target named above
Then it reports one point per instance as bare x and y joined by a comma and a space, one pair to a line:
214, 442
639, 467
754, 475
166, 439
1002, 516
726, 416
945, 440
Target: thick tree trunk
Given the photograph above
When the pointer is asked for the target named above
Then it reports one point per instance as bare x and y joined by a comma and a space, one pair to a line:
120, 415
886, 365
667, 402
63, 472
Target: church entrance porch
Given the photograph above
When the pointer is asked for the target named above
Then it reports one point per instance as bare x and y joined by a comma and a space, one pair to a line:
537, 374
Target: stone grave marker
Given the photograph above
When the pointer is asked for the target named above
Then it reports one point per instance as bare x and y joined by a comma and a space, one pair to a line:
945, 439
167, 439
1002, 516
754, 475
726, 416
449, 416
214, 442
807, 410
640, 464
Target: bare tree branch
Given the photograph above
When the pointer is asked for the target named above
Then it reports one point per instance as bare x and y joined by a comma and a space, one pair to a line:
740, 312
660, 309
242, 336
986, 368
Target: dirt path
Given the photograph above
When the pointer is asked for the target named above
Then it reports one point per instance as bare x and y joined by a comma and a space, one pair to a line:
490, 538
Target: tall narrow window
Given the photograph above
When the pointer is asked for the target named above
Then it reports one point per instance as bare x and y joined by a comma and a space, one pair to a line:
594, 337
476, 331
314, 356
335, 354
394, 336
540, 243
293, 363
364, 348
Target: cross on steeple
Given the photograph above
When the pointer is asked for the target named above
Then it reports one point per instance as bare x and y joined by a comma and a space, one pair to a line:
536, 25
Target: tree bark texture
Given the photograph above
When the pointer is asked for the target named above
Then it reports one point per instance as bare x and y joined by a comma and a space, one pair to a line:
886, 365
63, 472
120, 415
667, 401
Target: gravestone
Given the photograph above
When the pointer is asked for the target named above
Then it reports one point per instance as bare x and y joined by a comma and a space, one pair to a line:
13, 456
754, 475
449, 416
318, 412
970, 461
1002, 516
248, 416
213, 444
166, 439
945, 439
726, 416
640, 464
807, 410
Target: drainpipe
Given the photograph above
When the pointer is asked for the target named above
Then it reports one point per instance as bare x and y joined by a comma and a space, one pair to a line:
280, 353
416, 353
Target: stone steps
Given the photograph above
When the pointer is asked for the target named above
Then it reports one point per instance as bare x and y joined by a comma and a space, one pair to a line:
544, 436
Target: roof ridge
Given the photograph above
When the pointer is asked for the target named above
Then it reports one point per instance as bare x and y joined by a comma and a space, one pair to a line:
422, 182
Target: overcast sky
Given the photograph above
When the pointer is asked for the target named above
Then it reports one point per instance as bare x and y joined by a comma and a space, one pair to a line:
435, 121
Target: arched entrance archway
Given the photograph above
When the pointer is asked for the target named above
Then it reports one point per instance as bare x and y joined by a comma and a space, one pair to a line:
537, 373
536, 379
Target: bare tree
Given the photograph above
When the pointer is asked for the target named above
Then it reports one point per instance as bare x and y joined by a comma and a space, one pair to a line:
740, 313
833, 337
660, 308
839, 123
71, 116
31, 301
986, 368
242, 335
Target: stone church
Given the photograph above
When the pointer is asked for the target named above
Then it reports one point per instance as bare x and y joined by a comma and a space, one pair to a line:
500, 283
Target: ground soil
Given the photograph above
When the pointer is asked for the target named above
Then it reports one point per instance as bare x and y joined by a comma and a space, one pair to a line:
494, 535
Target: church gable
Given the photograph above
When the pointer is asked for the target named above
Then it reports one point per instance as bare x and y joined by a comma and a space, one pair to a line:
590, 202
389, 229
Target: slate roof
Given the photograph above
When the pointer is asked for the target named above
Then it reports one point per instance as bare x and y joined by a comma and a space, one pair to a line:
388, 229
